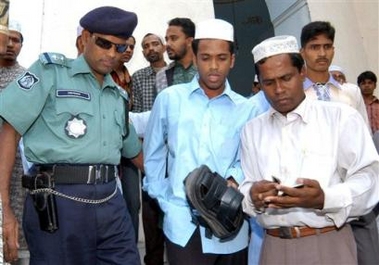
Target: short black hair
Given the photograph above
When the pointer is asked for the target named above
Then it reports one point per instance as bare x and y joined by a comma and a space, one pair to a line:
366, 75
195, 46
316, 28
187, 25
296, 59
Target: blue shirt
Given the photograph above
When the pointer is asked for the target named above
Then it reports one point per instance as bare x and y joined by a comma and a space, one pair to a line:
187, 129
260, 103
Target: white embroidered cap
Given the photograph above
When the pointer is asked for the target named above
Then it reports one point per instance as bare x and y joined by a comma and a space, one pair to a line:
336, 68
214, 29
256, 79
274, 46
15, 26
79, 31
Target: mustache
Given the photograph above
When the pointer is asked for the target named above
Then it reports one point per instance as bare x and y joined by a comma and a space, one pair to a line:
152, 54
322, 60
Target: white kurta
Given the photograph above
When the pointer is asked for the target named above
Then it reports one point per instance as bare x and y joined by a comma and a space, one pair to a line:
325, 141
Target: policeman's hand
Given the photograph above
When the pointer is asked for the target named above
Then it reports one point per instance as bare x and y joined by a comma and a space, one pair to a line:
261, 190
309, 196
138, 162
10, 236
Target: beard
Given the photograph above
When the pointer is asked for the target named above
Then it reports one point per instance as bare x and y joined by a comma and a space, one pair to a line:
153, 57
176, 56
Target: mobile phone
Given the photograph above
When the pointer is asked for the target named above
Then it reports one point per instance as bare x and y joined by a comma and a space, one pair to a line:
275, 179
297, 185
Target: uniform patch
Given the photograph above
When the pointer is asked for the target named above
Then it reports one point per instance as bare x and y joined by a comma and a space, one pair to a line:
52, 58
123, 93
72, 94
27, 81
76, 127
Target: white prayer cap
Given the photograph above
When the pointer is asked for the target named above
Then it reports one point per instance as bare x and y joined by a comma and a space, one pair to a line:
274, 46
15, 26
214, 29
79, 31
336, 68
256, 79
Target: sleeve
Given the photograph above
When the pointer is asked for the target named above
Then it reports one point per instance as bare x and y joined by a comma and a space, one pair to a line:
235, 170
249, 166
139, 121
155, 149
361, 107
137, 93
358, 163
131, 144
27, 94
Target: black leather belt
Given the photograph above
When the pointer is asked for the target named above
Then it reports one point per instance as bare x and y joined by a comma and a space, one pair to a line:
74, 174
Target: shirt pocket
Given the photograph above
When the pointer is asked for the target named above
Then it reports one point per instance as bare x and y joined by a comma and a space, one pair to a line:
69, 107
76, 116
318, 166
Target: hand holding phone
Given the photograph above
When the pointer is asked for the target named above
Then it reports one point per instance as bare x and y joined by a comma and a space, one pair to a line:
295, 185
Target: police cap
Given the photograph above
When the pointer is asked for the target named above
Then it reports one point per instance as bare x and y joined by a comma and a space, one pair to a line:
109, 20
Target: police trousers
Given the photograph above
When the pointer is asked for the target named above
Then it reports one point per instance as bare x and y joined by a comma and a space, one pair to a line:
88, 233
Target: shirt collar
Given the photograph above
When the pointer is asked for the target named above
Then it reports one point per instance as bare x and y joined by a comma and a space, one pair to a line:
374, 99
228, 92
80, 66
179, 65
299, 111
308, 83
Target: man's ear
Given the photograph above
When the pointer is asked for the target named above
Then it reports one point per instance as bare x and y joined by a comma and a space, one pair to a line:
303, 72
232, 61
85, 36
301, 52
189, 42
194, 60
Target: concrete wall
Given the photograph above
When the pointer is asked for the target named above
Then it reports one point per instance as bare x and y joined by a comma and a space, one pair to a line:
50, 25
356, 42
356, 23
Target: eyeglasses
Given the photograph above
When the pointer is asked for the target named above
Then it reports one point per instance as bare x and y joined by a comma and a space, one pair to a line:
131, 46
106, 44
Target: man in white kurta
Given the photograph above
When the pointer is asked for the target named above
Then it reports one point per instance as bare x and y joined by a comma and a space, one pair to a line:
300, 140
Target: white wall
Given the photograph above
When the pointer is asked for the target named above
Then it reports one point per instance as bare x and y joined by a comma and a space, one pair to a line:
356, 41
50, 25
356, 23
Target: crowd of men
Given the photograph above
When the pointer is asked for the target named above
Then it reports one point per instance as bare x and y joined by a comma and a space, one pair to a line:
91, 137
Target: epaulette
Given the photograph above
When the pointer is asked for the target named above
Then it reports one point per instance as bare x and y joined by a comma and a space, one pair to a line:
53, 58
123, 93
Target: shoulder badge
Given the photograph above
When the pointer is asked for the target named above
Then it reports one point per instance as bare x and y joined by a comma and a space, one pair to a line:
123, 93
27, 80
52, 58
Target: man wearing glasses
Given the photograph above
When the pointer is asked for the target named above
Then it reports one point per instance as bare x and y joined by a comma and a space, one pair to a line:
75, 131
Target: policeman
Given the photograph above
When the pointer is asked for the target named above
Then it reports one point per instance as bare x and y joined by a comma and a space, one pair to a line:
73, 120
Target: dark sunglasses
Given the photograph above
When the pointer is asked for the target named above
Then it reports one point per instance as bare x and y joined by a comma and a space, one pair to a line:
106, 44
131, 46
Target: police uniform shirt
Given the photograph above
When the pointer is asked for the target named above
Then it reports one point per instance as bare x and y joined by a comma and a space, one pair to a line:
65, 116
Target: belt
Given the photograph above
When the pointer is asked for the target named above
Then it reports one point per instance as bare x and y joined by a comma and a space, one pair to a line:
298, 231
75, 174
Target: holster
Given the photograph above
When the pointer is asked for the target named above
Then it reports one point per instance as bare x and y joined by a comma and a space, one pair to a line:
44, 202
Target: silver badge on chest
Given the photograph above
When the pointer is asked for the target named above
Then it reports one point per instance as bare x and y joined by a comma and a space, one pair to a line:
76, 127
